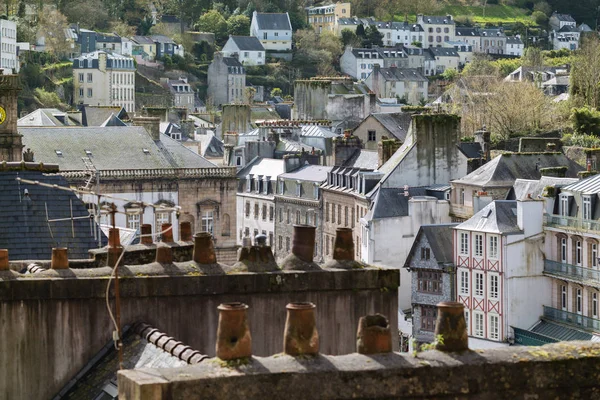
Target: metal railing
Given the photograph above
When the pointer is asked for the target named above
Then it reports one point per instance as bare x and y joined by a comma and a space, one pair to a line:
570, 318
571, 271
216, 172
571, 222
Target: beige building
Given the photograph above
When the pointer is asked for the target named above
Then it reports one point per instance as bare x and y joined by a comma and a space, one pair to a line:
104, 79
437, 29
325, 18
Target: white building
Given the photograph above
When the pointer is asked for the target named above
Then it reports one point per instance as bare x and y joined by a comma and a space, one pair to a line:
408, 85
514, 46
439, 59
471, 36
358, 63
126, 46
8, 46
104, 79
256, 198
566, 37
400, 33
499, 262
437, 29
464, 50
247, 49
558, 21
274, 30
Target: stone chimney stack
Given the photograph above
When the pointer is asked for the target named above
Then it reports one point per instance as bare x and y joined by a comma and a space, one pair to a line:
11, 146
482, 137
385, 149
376, 73
188, 128
152, 125
344, 148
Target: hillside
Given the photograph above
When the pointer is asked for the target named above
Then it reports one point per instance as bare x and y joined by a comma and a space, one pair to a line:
492, 13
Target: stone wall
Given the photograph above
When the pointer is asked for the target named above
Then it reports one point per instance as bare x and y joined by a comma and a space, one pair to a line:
55, 322
334, 198
569, 370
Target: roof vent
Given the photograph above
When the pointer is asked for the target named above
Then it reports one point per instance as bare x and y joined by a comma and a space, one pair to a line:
146, 151
88, 153
58, 153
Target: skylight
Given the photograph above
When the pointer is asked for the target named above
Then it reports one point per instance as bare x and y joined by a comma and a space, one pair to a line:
58, 153
146, 151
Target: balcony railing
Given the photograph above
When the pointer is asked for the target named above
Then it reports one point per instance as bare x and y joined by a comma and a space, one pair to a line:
570, 222
571, 271
570, 318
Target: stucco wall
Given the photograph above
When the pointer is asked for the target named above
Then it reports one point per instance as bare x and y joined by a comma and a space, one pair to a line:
310, 99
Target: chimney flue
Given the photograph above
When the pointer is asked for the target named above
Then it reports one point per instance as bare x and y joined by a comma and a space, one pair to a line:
164, 254
374, 335
151, 124
166, 233
451, 325
303, 249
146, 234
344, 245
185, 231
4, 266
60, 260
300, 336
204, 251
233, 332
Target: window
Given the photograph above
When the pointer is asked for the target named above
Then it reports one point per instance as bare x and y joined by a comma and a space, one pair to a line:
563, 250
281, 187
579, 301
80, 92
493, 289
256, 211
372, 136
280, 240
271, 213
298, 189
478, 284
133, 221
287, 216
247, 209
281, 214
564, 205
287, 244
428, 317
464, 243
326, 212
271, 239
425, 253
327, 245
478, 317
595, 305
464, 282
339, 217
89, 92
478, 245
494, 328
493, 247
578, 253
594, 255
89, 77
587, 207
462, 197
316, 192
563, 297
346, 216
264, 212
161, 217
333, 213
81, 77
429, 281
207, 222
297, 217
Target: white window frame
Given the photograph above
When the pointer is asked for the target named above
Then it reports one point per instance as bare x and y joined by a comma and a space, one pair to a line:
478, 324
563, 250
594, 255
478, 282
159, 219
492, 247
493, 286
594, 305
493, 327
478, 245
133, 220
208, 221
578, 253
464, 281
467, 321
579, 301
464, 243
564, 205
587, 207
563, 297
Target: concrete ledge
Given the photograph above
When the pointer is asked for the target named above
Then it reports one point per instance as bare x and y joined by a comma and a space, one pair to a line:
565, 370
186, 279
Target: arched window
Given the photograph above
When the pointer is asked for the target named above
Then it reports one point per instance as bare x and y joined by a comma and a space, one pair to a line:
226, 228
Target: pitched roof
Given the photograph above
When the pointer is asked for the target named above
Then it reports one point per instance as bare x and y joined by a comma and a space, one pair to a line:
498, 32
467, 31
440, 239
589, 185
211, 146
513, 40
98, 115
44, 117
470, 149
560, 332
534, 188
392, 202
111, 148
363, 159
263, 166
312, 173
273, 21
232, 62
24, 229
438, 19
443, 51
394, 74
142, 40
563, 17
396, 123
247, 43
503, 170
162, 39
500, 216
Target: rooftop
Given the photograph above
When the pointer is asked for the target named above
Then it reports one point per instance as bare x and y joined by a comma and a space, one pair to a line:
397, 124
311, 173
500, 216
273, 21
247, 43
440, 239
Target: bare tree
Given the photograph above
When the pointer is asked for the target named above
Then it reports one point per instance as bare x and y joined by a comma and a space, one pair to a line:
585, 73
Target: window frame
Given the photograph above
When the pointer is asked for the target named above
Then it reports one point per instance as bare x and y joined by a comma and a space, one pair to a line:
464, 243
477, 245
479, 285
493, 328
479, 324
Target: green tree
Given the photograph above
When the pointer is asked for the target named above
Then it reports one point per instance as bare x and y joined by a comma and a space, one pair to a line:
360, 31
213, 22
480, 66
238, 25
372, 37
450, 74
586, 120
539, 18
52, 25
276, 92
349, 38
533, 57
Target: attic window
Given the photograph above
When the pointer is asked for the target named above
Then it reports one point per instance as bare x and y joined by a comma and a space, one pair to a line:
146, 151
88, 153
58, 153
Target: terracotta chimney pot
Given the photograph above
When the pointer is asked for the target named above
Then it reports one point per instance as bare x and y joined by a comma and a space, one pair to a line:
300, 336
60, 259
233, 333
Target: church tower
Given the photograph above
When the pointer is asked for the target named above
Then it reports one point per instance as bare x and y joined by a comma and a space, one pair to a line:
11, 146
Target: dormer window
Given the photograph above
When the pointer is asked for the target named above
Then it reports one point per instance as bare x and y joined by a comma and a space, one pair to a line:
587, 207
565, 202
316, 191
298, 188
281, 187
266, 184
258, 183
249, 183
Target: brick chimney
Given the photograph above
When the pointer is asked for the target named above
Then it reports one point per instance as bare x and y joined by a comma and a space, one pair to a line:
152, 125
11, 146
385, 149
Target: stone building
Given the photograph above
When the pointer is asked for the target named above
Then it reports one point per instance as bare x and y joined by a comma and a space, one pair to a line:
9, 60
431, 265
325, 17
299, 201
226, 81
378, 126
104, 79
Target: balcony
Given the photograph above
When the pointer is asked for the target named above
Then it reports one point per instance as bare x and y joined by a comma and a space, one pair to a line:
573, 223
586, 323
573, 272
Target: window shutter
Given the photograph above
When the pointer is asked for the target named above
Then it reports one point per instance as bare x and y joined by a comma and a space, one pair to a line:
572, 207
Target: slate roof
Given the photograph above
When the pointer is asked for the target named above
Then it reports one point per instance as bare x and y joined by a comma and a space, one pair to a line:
404, 26
111, 148
98, 115
311, 173
500, 216
438, 20
560, 332
397, 124
492, 32
443, 51
142, 40
273, 21
503, 170
211, 146
535, 188
45, 117
162, 39
391, 202
563, 17
467, 31
247, 43
402, 74
232, 62
24, 228
263, 166
316, 131
470, 149
363, 159
440, 239
568, 29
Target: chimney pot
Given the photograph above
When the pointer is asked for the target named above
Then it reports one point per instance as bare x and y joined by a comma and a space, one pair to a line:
303, 244
344, 245
114, 238
451, 325
146, 230
300, 335
374, 335
233, 332
164, 254
185, 231
4, 260
166, 233
204, 251
60, 260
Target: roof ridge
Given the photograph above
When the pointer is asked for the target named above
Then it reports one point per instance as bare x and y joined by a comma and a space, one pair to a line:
168, 344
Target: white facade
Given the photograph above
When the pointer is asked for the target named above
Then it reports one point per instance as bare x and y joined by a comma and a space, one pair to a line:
437, 30
244, 56
514, 46
499, 274
126, 46
104, 79
272, 36
8, 46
